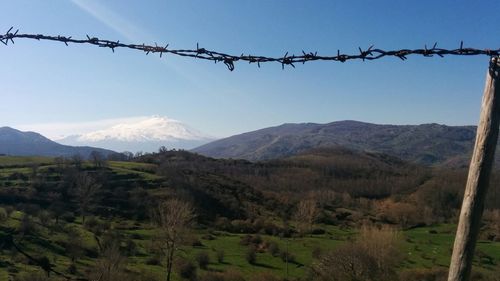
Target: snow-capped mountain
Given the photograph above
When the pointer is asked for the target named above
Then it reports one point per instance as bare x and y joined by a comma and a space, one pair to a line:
145, 135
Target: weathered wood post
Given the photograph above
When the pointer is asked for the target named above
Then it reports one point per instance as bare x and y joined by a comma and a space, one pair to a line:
478, 178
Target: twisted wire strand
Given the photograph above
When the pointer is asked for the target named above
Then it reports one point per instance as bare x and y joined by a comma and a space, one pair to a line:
229, 60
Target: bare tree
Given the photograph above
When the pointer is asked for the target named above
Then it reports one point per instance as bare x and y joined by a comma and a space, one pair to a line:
60, 164
86, 188
172, 218
110, 266
373, 256
74, 244
98, 159
77, 160
383, 243
306, 215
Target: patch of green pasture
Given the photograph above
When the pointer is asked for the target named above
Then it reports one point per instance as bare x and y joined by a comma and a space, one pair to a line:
4, 275
125, 171
5, 172
133, 165
428, 247
235, 254
24, 160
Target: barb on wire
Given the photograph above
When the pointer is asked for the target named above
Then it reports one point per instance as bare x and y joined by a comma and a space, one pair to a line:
229, 60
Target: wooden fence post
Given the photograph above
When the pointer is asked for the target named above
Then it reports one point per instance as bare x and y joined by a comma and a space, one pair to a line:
478, 178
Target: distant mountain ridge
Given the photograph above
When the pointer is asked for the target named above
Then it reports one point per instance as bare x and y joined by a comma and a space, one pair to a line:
428, 144
145, 135
18, 143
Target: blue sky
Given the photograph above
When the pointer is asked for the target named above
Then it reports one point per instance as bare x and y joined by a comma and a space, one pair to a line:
52, 88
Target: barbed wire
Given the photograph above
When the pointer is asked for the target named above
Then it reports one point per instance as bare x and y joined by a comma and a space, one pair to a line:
229, 60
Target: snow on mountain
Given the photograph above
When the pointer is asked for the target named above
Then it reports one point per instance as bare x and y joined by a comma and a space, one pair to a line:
145, 135
153, 129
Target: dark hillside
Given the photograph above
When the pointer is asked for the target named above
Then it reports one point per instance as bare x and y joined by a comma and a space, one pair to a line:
427, 144
16, 143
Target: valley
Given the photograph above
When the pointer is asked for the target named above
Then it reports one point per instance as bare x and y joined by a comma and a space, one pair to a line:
246, 224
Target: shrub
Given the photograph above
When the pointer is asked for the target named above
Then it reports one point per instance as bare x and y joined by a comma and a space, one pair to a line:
147, 276
212, 276
251, 239
223, 223
264, 276
44, 217
220, 256
203, 259
251, 255
196, 243
74, 245
136, 236
245, 240
130, 247
3, 215
432, 274
317, 252
9, 210
72, 269
32, 276
287, 256
91, 223
232, 275
271, 229
373, 256
26, 226
274, 249
154, 260
208, 237
318, 231
222, 276
256, 239
68, 217
242, 226
186, 269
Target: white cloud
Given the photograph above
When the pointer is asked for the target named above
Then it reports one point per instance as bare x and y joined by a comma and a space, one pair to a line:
59, 130
112, 20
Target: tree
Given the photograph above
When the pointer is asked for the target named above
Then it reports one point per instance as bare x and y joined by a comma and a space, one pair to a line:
110, 265
98, 159
86, 189
306, 215
3, 215
60, 164
383, 244
373, 256
56, 207
203, 259
220, 256
172, 218
186, 269
74, 244
77, 160
251, 255
26, 226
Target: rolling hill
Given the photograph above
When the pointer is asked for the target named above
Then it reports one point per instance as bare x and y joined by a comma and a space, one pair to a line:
427, 144
16, 143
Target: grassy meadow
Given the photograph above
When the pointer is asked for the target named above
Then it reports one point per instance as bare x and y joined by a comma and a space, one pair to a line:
422, 247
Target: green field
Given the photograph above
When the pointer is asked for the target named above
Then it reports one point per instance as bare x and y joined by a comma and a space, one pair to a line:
423, 247
6, 161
